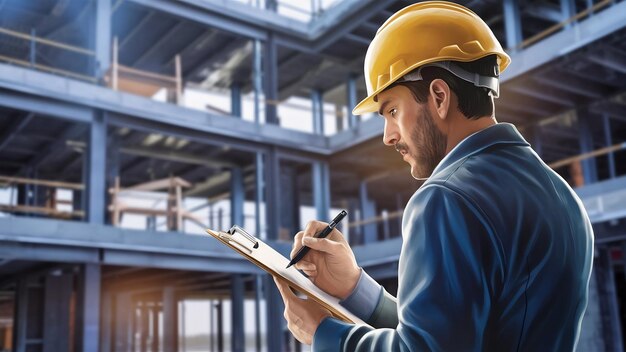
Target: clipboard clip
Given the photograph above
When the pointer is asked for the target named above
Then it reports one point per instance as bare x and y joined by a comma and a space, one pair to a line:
236, 230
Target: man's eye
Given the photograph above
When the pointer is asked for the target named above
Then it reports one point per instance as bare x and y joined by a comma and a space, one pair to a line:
392, 112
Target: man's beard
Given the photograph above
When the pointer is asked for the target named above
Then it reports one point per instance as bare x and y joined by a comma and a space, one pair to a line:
429, 144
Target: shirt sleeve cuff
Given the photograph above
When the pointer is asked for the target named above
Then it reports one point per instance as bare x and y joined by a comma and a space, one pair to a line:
364, 298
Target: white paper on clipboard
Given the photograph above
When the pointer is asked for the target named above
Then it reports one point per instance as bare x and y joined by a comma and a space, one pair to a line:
268, 259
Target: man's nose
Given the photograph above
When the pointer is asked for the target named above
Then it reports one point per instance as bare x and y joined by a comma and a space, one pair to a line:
390, 134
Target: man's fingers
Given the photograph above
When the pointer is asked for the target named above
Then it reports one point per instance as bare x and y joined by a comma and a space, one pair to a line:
304, 265
285, 290
297, 244
322, 244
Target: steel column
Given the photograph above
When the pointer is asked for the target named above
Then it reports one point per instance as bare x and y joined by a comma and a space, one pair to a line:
512, 24
238, 337
20, 315
270, 75
103, 37
272, 187
318, 111
257, 79
170, 317
608, 140
568, 10
56, 322
88, 308
237, 195
220, 327
368, 211
353, 120
274, 314
235, 100
107, 322
96, 165
590, 171
122, 321
611, 326
258, 194
321, 190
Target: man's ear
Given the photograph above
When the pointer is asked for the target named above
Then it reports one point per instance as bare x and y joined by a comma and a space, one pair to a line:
440, 97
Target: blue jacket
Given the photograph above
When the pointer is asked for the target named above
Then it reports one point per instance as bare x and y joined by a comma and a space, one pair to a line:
496, 256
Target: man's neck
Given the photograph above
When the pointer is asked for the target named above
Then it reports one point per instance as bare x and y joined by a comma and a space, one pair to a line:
465, 129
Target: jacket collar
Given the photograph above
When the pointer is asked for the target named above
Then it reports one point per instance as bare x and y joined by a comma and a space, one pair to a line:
500, 133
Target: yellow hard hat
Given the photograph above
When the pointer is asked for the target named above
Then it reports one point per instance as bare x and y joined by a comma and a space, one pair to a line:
421, 34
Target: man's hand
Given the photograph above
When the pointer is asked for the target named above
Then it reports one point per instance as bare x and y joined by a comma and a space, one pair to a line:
303, 315
330, 263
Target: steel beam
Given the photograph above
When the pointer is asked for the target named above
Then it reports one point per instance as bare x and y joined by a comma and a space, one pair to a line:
609, 58
103, 38
567, 41
612, 109
15, 127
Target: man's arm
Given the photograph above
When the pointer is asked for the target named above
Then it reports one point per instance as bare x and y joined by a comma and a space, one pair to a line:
449, 260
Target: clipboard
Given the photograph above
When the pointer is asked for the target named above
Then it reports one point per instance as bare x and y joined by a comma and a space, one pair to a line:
274, 263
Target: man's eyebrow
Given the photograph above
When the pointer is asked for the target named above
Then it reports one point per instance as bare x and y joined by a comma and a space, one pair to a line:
382, 108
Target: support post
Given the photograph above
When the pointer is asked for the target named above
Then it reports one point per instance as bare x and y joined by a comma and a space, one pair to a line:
220, 325
318, 111
568, 10
103, 38
272, 172
274, 314
512, 24
96, 165
122, 321
170, 317
271, 80
237, 194
56, 322
258, 189
20, 315
155, 327
238, 337
608, 140
257, 77
88, 308
368, 211
589, 169
353, 120
179, 80
107, 322
235, 100
33, 47
321, 189
611, 330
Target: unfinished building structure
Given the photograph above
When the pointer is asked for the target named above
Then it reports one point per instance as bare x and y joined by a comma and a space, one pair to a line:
129, 126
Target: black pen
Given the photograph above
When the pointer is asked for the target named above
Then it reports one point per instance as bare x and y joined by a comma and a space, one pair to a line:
325, 232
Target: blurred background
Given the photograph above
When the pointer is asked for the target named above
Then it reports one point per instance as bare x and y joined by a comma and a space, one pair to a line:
128, 127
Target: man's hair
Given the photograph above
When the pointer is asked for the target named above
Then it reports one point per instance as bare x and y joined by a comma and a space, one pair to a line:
474, 101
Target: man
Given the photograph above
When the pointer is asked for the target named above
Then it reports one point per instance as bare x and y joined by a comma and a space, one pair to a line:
497, 248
